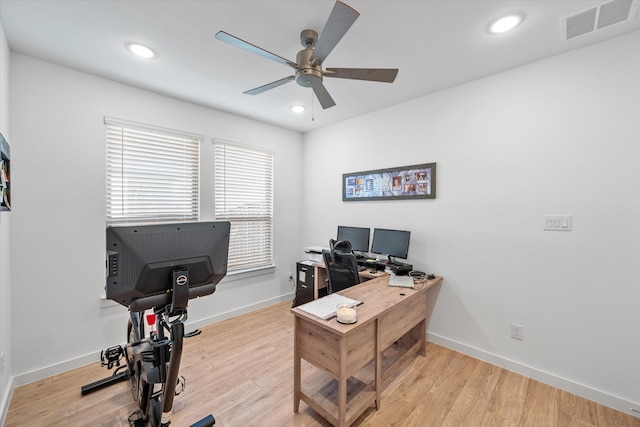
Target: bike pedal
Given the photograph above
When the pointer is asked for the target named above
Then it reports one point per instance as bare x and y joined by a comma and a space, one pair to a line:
111, 356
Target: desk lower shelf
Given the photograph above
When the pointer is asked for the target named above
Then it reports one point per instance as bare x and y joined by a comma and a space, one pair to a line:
324, 398
320, 390
395, 359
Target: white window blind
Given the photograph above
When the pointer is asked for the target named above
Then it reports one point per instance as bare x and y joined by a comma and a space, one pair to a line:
152, 174
244, 197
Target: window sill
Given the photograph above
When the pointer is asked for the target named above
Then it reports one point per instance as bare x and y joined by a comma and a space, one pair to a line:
251, 272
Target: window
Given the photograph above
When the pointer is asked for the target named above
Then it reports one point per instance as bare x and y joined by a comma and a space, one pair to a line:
152, 174
244, 197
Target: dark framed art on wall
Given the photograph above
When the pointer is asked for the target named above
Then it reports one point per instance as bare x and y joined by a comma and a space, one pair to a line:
405, 182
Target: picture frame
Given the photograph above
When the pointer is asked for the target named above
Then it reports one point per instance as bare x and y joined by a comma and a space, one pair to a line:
398, 183
5, 175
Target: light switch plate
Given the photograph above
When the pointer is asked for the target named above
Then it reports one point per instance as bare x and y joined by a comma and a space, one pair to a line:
558, 223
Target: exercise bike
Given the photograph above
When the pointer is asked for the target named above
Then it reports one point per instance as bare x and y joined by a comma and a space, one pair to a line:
153, 363
154, 271
152, 357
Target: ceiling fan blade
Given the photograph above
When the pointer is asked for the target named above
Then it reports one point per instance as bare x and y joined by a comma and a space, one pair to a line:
269, 86
386, 75
340, 20
323, 96
234, 41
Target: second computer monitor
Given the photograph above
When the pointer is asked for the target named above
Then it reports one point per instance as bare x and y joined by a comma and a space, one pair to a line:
394, 243
357, 236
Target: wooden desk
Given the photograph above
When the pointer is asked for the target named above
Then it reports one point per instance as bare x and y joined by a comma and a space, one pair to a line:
391, 328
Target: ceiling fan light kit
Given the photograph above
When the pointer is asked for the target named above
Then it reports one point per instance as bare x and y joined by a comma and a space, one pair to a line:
308, 65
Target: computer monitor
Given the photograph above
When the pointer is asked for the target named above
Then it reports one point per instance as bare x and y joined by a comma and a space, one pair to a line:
144, 262
393, 243
357, 236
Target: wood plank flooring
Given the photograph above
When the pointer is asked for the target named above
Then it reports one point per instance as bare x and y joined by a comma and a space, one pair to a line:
241, 371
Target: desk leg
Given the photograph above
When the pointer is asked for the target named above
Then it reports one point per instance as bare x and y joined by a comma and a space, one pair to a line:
378, 365
423, 338
296, 364
342, 384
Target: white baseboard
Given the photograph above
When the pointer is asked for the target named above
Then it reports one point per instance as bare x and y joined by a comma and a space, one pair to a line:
6, 399
606, 399
55, 369
58, 368
238, 311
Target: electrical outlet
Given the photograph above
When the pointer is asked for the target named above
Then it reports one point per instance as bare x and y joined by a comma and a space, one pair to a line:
290, 276
517, 332
1, 362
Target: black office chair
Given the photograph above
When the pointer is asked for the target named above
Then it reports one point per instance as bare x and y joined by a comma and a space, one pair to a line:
341, 266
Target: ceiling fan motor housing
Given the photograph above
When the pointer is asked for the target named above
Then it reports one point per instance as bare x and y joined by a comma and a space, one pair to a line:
307, 74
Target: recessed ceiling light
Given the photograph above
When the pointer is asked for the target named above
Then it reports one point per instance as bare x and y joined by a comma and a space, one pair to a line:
141, 51
506, 23
298, 109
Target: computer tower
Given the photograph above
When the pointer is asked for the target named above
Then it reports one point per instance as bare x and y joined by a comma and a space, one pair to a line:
304, 283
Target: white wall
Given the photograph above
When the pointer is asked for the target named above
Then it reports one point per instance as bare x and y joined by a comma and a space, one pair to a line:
560, 136
58, 216
5, 254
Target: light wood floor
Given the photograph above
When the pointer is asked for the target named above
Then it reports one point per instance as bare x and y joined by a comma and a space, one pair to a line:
241, 371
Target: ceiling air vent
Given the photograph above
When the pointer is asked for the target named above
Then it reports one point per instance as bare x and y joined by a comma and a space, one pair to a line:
598, 17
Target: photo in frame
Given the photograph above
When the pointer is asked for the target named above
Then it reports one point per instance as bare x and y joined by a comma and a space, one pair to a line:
405, 182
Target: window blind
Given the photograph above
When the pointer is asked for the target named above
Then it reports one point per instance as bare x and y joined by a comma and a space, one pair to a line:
152, 174
244, 197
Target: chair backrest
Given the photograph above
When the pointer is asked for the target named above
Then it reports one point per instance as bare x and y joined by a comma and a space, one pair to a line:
341, 246
342, 270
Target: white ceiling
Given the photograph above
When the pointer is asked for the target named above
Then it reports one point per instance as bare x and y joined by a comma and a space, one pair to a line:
435, 45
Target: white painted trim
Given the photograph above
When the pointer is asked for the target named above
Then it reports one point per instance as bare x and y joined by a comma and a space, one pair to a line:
238, 311
6, 400
58, 368
561, 383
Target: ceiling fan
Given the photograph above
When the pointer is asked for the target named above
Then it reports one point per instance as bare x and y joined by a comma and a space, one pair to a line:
308, 65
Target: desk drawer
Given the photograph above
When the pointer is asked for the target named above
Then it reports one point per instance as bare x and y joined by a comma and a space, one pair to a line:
395, 323
319, 346
322, 348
